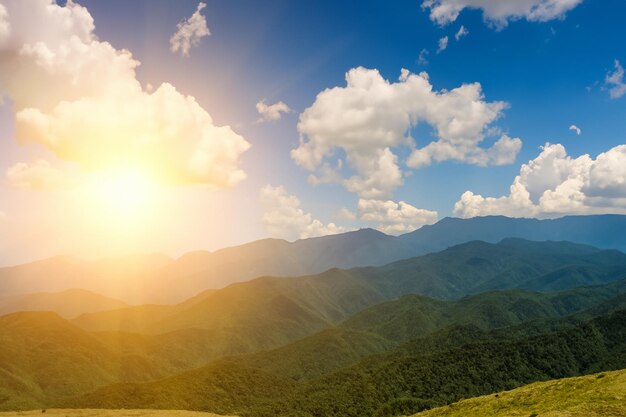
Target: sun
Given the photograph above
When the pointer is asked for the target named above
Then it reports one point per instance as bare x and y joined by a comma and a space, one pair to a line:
123, 193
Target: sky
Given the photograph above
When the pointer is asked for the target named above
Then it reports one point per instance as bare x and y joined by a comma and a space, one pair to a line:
171, 126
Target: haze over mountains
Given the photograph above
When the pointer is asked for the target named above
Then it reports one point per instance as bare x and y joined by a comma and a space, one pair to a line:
159, 279
380, 340
292, 336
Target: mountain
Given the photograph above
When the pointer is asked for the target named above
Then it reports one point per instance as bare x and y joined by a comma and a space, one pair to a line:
602, 231
158, 279
405, 380
123, 278
597, 395
44, 357
68, 303
385, 326
414, 316
269, 311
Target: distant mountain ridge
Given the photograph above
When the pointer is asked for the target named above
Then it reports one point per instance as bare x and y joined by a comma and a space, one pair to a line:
158, 279
68, 304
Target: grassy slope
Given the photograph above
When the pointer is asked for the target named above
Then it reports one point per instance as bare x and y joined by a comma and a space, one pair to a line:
599, 395
56, 412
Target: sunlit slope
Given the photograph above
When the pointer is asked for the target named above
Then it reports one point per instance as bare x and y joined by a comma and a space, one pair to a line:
598, 395
283, 308
108, 413
68, 303
45, 357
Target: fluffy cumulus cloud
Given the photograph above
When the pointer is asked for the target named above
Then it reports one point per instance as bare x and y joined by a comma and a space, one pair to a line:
555, 184
499, 12
614, 81
395, 218
271, 112
285, 219
95, 112
189, 32
39, 175
365, 122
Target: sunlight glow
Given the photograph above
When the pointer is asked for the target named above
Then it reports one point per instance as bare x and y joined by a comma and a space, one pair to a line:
125, 193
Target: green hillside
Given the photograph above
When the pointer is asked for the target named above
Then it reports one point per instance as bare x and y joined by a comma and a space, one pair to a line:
598, 395
413, 316
275, 311
322, 340
421, 374
44, 357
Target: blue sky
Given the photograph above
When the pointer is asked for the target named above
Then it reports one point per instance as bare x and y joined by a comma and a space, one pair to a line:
550, 73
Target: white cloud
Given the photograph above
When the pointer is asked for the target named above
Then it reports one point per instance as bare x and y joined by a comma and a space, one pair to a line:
442, 44
575, 129
285, 219
461, 32
95, 112
615, 81
422, 58
395, 218
39, 175
370, 117
271, 112
500, 12
554, 184
346, 214
189, 32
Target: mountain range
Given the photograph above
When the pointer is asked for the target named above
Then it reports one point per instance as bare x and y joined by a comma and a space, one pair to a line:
273, 342
156, 278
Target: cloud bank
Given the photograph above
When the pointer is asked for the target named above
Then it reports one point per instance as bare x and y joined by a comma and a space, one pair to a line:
358, 128
283, 217
95, 112
395, 218
500, 12
555, 184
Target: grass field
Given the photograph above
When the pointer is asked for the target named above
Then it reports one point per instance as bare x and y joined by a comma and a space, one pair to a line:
596, 395
107, 413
